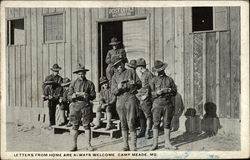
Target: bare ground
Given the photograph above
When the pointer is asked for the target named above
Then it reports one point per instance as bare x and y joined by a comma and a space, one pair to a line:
29, 138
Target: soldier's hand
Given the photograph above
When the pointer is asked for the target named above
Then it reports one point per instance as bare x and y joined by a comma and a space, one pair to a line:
131, 82
50, 97
73, 96
60, 100
143, 97
159, 92
85, 95
120, 85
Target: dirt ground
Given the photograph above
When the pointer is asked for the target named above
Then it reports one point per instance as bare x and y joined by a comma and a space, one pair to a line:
29, 138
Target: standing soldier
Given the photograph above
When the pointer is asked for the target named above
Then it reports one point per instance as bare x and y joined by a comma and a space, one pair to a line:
115, 51
163, 88
52, 91
81, 92
124, 82
140, 114
144, 94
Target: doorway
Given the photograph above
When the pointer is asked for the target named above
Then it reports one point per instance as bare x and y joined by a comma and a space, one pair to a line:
133, 35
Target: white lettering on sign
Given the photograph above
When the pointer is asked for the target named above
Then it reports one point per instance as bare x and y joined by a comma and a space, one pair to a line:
119, 12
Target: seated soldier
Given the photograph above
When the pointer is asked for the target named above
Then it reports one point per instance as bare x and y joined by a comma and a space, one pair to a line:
107, 102
64, 101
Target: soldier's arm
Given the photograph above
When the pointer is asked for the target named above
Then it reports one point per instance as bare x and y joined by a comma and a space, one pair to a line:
122, 52
92, 93
173, 87
152, 88
113, 100
108, 58
71, 91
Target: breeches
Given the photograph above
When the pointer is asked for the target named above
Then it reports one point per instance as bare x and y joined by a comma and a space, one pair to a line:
165, 109
126, 107
80, 112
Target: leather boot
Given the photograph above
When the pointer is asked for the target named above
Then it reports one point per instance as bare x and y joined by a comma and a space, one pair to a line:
98, 120
149, 126
125, 141
133, 140
74, 135
88, 137
109, 116
168, 145
143, 128
155, 139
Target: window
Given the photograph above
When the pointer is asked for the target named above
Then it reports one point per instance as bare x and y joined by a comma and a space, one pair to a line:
16, 32
53, 28
202, 18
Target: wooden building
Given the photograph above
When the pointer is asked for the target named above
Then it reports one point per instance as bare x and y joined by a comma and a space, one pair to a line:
203, 53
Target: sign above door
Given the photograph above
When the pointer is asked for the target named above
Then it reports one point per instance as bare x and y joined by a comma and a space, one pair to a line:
121, 12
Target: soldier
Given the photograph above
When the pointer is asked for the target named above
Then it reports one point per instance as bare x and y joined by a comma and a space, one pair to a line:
140, 114
144, 94
51, 93
115, 51
107, 102
81, 92
124, 83
64, 101
163, 88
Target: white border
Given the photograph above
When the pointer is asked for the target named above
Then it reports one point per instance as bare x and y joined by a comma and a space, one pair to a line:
244, 153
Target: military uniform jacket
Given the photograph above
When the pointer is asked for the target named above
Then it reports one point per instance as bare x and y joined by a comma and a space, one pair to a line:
65, 99
112, 53
82, 85
127, 74
53, 91
58, 79
146, 77
106, 97
161, 82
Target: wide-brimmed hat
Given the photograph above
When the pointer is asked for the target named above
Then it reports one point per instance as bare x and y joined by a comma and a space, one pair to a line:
50, 81
56, 67
117, 59
114, 41
159, 66
141, 62
103, 80
66, 82
80, 68
132, 63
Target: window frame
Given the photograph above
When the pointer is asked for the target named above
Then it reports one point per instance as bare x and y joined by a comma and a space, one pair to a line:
206, 31
44, 28
8, 27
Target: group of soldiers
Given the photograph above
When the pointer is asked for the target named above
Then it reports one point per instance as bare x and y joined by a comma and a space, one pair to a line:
147, 98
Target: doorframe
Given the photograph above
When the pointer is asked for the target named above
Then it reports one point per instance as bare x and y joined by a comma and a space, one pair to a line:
128, 18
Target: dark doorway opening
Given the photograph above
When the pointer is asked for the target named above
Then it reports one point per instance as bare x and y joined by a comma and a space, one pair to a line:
107, 30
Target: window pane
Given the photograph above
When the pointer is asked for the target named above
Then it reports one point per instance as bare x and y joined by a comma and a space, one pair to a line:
202, 18
17, 32
54, 27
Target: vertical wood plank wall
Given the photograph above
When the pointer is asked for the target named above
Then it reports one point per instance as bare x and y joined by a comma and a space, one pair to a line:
170, 39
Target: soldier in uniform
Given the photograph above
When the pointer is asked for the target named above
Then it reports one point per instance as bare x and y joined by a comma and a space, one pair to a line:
114, 52
52, 93
140, 115
163, 88
81, 92
144, 94
107, 102
64, 101
124, 84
